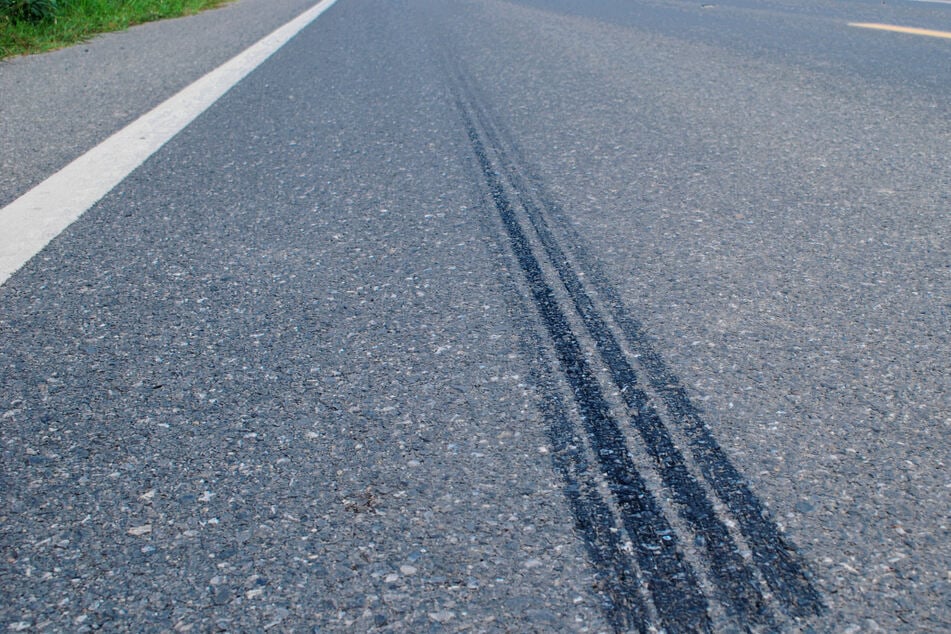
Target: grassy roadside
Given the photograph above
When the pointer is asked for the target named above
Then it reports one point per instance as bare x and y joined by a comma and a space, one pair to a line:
78, 20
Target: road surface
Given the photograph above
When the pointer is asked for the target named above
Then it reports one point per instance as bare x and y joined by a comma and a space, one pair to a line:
494, 315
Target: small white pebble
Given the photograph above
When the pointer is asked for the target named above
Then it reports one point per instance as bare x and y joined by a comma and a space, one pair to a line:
442, 616
145, 529
408, 570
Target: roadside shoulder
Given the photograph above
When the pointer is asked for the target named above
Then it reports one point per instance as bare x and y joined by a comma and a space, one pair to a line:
58, 105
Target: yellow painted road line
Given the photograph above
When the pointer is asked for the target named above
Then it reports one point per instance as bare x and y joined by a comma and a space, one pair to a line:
902, 29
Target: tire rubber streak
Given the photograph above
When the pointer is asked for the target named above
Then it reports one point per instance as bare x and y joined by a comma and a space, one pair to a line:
778, 562
593, 517
734, 580
676, 595
618, 586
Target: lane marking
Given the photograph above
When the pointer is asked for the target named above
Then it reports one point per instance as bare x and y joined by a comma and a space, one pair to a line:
910, 30
31, 221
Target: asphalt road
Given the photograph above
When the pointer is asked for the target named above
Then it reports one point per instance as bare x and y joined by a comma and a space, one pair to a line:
55, 106
506, 316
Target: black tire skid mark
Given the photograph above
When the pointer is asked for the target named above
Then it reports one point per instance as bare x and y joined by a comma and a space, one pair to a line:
778, 561
677, 597
786, 574
616, 582
736, 584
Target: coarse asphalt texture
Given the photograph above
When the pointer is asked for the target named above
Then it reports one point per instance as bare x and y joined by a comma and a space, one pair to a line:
494, 315
57, 105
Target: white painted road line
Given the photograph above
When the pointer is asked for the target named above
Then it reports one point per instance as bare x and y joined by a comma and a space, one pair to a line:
32, 220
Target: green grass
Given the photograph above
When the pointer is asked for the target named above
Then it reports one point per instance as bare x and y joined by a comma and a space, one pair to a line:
78, 20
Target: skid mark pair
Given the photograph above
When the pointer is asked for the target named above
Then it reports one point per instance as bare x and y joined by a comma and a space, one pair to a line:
645, 580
